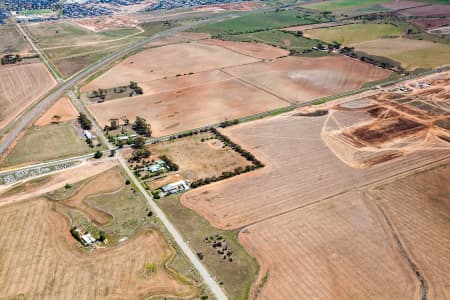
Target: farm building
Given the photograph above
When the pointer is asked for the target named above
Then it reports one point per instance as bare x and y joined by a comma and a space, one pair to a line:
88, 239
88, 134
176, 187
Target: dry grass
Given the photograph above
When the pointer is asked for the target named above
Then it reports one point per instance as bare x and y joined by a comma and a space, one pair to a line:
20, 86
40, 259
62, 108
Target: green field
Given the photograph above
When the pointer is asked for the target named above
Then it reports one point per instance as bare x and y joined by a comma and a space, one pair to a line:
235, 277
47, 142
36, 12
354, 33
423, 58
260, 21
343, 4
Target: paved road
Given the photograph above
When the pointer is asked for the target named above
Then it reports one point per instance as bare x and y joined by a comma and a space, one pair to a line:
59, 92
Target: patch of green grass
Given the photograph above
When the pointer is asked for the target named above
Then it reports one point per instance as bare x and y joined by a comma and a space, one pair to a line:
35, 12
354, 33
237, 276
43, 143
423, 58
343, 4
260, 21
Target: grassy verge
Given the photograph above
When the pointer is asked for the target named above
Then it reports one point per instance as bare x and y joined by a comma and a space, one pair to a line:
43, 143
236, 277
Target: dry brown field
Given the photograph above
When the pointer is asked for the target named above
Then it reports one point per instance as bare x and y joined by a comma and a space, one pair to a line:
198, 159
257, 50
107, 182
418, 208
102, 24
178, 59
427, 24
40, 259
335, 249
62, 108
402, 4
21, 85
180, 37
300, 170
434, 10
12, 41
191, 107
299, 79
240, 6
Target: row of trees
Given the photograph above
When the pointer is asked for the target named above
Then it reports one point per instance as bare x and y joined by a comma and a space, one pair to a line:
142, 127
172, 166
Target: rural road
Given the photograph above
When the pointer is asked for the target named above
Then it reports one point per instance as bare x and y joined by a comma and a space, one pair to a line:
59, 92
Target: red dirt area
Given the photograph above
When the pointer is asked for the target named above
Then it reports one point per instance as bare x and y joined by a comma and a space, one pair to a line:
240, 6
189, 108
40, 258
402, 4
20, 85
108, 182
111, 22
329, 250
428, 24
300, 169
258, 50
63, 110
418, 207
299, 79
172, 60
434, 10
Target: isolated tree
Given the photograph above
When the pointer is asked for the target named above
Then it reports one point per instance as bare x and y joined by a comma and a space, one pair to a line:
98, 154
139, 143
57, 118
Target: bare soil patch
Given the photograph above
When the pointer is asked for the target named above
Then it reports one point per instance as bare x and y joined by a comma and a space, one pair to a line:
40, 258
329, 250
240, 6
402, 4
427, 24
112, 22
299, 79
418, 207
63, 110
295, 174
258, 50
171, 60
21, 85
189, 108
434, 10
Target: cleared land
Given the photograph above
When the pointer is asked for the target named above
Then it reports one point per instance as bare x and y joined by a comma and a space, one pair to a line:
411, 54
143, 67
354, 33
402, 4
63, 110
434, 10
40, 258
191, 107
12, 41
47, 142
20, 86
258, 50
418, 207
299, 79
428, 24
273, 189
338, 248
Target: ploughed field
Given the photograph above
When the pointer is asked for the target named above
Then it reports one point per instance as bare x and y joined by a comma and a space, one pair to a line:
322, 227
20, 85
216, 81
40, 258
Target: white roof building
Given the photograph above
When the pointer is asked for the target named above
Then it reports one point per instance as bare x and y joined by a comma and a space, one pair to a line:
88, 134
175, 187
88, 239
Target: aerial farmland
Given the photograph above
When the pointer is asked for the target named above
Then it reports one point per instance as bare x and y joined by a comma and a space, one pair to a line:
224, 150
